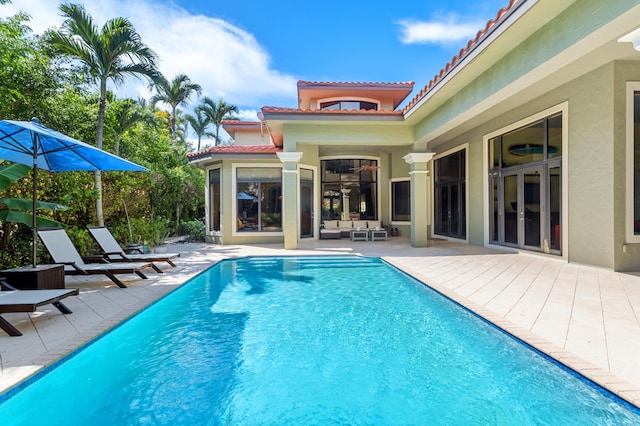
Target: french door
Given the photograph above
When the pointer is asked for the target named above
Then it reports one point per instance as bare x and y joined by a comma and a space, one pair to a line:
525, 208
450, 220
450, 195
522, 208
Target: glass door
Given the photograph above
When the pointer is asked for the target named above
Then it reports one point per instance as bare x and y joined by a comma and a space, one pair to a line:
449, 190
522, 208
531, 208
306, 203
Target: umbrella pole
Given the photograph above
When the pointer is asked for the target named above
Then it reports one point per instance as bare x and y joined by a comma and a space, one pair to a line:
35, 177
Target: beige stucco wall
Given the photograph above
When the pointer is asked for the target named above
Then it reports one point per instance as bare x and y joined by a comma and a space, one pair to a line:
252, 137
592, 142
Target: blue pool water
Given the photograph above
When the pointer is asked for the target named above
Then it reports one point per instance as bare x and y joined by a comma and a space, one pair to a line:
278, 341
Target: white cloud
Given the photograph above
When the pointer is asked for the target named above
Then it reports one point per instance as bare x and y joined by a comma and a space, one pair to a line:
226, 61
443, 30
247, 115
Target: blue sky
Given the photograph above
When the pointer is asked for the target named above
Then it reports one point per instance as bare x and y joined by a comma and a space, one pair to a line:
251, 53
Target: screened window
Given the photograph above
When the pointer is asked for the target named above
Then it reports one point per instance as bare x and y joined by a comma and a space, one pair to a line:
401, 201
259, 198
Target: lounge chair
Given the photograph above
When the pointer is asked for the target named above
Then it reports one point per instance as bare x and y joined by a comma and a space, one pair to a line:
114, 253
15, 300
62, 251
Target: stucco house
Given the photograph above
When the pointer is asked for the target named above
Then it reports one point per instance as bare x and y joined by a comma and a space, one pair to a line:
525, 140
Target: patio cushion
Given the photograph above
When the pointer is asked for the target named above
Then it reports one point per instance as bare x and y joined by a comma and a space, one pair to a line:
345, 224
373, 224
330, 224
362, 224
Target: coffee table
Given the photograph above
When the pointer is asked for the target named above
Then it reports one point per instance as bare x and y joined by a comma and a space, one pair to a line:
378, 235
357, 235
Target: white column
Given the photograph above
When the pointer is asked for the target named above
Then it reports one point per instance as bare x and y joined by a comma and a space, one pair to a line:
420, 207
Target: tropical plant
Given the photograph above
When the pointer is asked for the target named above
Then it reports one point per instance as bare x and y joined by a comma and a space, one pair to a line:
15, 211
199, 123
216, 112
110, 54
27, 75
174, 93
127, 114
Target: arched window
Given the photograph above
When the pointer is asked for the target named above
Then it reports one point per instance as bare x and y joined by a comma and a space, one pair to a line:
348, 105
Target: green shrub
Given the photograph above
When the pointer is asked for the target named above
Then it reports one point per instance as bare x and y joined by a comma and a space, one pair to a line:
143, 231
194, 229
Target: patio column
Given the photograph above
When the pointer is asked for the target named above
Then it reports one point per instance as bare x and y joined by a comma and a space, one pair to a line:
345, 203
418, 162
290, 222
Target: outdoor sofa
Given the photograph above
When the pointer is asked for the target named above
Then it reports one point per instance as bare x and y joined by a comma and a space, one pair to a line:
342, 228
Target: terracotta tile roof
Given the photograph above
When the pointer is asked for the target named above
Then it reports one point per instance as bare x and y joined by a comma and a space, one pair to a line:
463, 52
240, 123
235, 149
404, 84
272, 109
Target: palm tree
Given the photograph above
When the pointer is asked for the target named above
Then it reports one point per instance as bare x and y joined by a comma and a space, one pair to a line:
112, 52
174, 93
127, 115
199, 123
216, 112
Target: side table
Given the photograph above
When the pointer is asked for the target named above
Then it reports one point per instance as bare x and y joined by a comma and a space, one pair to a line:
30, 278
378, 235
359, 235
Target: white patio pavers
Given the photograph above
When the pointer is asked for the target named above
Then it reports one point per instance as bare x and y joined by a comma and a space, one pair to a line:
583, 316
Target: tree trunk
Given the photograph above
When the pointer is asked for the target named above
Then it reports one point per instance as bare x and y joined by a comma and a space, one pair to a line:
98, 175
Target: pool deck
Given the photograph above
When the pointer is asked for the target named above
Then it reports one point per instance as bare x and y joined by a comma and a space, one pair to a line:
585, 317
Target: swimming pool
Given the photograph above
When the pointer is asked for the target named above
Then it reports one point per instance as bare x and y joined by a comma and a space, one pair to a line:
322, 340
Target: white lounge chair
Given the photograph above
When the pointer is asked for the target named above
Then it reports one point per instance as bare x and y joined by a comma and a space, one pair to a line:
62, 251
14, 300
114, 253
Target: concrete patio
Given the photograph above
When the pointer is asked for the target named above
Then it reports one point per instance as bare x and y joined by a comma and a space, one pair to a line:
585, 317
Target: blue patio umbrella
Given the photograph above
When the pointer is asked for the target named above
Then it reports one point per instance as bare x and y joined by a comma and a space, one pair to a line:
32, 144
245, 196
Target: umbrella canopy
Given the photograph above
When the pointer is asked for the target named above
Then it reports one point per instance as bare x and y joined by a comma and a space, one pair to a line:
32, 144
245, 196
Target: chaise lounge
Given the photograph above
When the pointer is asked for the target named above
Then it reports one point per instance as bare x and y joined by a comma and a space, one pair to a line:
62, 251
13, 300
114, 253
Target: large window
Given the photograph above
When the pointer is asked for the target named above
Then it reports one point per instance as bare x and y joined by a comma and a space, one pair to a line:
633, 162
259, 198
401, 201
525, 186
214, 200
450, 210
350, 189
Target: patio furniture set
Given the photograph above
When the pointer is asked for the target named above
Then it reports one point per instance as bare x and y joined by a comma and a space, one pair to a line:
356, 230
26, 288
